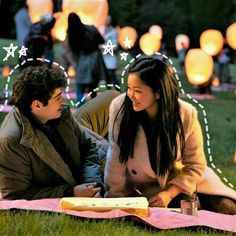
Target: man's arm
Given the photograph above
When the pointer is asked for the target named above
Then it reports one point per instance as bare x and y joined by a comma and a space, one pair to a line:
93, 152
92, 149
17, 179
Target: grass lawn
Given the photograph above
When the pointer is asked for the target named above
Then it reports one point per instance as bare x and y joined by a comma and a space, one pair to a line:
221, 117
38, 223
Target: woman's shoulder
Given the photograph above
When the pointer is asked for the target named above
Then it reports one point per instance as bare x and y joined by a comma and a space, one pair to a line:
118, 101
186, 106
187, 110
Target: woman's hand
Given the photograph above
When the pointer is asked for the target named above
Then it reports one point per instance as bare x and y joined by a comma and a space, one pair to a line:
87, 190
161, 199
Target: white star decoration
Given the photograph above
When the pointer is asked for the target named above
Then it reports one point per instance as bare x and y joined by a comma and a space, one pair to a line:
108, 48
22, 51
124, 56
10, 51
127, 42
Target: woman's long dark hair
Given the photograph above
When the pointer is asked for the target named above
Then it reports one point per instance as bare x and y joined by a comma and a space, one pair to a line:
75, 33
157, 76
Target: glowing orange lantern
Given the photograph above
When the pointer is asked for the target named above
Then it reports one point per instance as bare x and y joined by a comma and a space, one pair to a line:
91, 12
199, 66
37, 8
211, 41
215, 82
5, 71
60, 27
157, 30
149, 43
127, 37
181, 40
231, 35
71, 72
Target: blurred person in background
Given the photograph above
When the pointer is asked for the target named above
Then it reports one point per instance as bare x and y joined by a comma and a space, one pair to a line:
81, 49
39, 41
110, 33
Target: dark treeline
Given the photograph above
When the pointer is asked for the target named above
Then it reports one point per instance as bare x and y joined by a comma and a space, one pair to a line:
189, 17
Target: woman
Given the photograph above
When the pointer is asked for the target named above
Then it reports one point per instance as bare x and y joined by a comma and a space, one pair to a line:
81, 50
156, 144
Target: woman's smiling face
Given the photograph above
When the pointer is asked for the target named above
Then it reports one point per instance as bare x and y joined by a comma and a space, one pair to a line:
141, 95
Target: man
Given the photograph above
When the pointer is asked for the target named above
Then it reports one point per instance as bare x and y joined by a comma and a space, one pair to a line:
44, 152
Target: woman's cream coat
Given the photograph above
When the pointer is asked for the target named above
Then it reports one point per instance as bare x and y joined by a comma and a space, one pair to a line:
137, 174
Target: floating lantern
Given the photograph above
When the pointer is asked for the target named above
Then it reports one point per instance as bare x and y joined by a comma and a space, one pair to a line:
231, 35
149, 44
211, 41
198, 66
215, 81
91, 12
37, 8
60, 27
127, 33
71, 72
5, 70
181, 40
157, 30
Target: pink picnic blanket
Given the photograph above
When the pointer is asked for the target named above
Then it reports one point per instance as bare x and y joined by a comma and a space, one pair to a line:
161, 219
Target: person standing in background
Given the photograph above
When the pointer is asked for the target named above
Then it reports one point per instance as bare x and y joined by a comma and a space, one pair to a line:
81, 47
110, 33
181, 56
223, 60
39, 42
23, 23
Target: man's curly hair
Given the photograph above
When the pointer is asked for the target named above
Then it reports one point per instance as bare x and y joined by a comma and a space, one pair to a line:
36, 83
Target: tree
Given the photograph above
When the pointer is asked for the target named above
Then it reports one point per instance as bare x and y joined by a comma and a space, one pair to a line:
204, 15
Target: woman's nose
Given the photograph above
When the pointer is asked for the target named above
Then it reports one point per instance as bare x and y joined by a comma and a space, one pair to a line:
130, 94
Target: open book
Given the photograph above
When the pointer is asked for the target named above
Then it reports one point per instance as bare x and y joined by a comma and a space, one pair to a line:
134, 205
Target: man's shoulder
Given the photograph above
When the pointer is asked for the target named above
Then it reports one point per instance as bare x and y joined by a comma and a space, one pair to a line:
11, 127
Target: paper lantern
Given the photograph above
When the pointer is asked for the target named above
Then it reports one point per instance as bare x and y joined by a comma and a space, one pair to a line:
198, 66
215, 81
181, 40
211, 41
71, 72
91, 12
127, 33
60, 27
5, 70
37, 8
157, 30
149, 44
231, 35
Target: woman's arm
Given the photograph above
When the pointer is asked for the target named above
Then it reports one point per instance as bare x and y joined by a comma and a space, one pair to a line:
193, 160
115, 172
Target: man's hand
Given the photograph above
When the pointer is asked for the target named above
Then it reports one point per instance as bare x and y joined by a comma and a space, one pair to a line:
161, 199
86, 190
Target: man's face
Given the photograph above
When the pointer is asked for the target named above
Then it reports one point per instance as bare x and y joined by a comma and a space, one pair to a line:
52, 110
